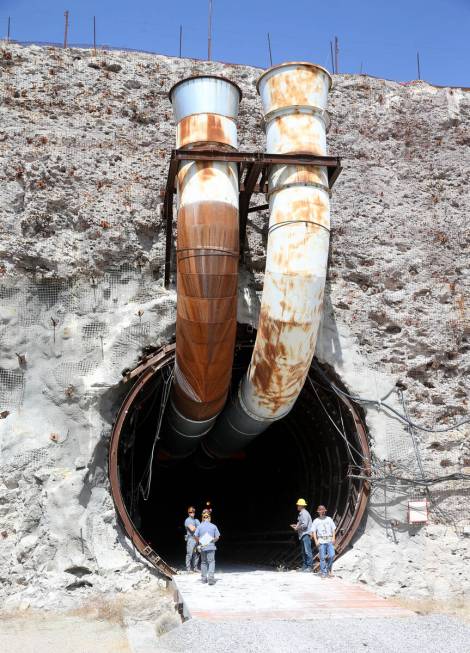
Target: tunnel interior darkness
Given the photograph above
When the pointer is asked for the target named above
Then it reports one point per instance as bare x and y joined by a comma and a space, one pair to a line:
309, 454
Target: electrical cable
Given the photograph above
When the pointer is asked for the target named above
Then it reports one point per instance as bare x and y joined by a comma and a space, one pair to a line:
381, 404
425, 482
348, 444
165, 393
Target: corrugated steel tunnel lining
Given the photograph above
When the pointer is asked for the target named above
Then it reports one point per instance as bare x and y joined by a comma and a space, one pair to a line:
253, 495
207, 249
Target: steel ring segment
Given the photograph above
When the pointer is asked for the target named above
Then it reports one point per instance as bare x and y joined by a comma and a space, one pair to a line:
288, 223
163, 358
205, 128
321, 114
299, 184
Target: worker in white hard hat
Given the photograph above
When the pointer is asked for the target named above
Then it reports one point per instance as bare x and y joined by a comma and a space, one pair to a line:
192, 554
302, 528
323, 532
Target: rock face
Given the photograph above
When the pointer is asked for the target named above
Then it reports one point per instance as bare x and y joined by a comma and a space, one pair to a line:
84, 145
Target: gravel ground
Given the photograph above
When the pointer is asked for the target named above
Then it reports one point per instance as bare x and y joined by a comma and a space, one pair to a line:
420, 633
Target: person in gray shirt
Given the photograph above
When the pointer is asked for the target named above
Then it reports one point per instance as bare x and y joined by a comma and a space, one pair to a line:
206, 536
302, 528
192, 555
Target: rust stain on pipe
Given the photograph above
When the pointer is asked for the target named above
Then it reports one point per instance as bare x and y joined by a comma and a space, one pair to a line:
205, 128
207, 264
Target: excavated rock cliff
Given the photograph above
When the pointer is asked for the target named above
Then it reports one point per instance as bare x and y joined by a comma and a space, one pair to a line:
84, 146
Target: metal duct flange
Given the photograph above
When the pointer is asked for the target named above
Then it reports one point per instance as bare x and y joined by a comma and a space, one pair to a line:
236, 428
184, 430
207, 252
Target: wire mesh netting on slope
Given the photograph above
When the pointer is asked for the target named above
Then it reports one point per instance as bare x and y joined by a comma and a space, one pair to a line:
78, 327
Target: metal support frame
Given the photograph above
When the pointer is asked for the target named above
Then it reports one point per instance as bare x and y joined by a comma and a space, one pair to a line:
253, 170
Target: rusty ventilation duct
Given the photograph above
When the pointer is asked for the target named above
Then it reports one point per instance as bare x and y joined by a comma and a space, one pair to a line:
205, 109
294, 97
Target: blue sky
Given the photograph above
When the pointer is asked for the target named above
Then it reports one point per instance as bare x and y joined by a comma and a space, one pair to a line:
379, 35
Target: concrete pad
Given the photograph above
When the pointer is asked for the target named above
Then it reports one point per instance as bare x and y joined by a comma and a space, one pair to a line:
261, 595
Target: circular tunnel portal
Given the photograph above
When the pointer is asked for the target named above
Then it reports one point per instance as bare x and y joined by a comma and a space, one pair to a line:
311, 453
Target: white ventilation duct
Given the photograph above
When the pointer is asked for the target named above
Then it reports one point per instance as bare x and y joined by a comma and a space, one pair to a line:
294, 97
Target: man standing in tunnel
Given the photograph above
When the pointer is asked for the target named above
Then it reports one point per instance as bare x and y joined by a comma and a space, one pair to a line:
206, 536
192, 556
302, 527
324, 533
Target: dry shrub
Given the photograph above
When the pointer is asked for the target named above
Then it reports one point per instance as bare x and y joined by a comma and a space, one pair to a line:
110, 610
455, 607
166, 622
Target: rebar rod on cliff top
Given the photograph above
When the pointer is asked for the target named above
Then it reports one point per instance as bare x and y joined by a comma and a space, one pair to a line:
209, 32
66, 28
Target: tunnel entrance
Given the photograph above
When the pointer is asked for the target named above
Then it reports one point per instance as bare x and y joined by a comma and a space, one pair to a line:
310, 453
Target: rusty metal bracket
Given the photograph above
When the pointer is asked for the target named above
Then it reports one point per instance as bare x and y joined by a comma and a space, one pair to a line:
253, 173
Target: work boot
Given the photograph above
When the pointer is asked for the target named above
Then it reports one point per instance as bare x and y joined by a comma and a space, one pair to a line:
211, 581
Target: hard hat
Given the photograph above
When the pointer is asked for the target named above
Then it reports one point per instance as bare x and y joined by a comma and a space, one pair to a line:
301, 502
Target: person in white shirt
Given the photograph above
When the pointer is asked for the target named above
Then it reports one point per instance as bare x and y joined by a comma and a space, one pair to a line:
323, 532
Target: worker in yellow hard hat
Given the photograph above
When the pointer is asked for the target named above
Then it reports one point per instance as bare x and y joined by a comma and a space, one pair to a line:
302, 528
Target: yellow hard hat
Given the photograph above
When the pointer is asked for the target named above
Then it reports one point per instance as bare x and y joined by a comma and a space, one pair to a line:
301, 502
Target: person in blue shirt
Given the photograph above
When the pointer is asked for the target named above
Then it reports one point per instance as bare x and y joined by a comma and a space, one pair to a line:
192, 555
206, 536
